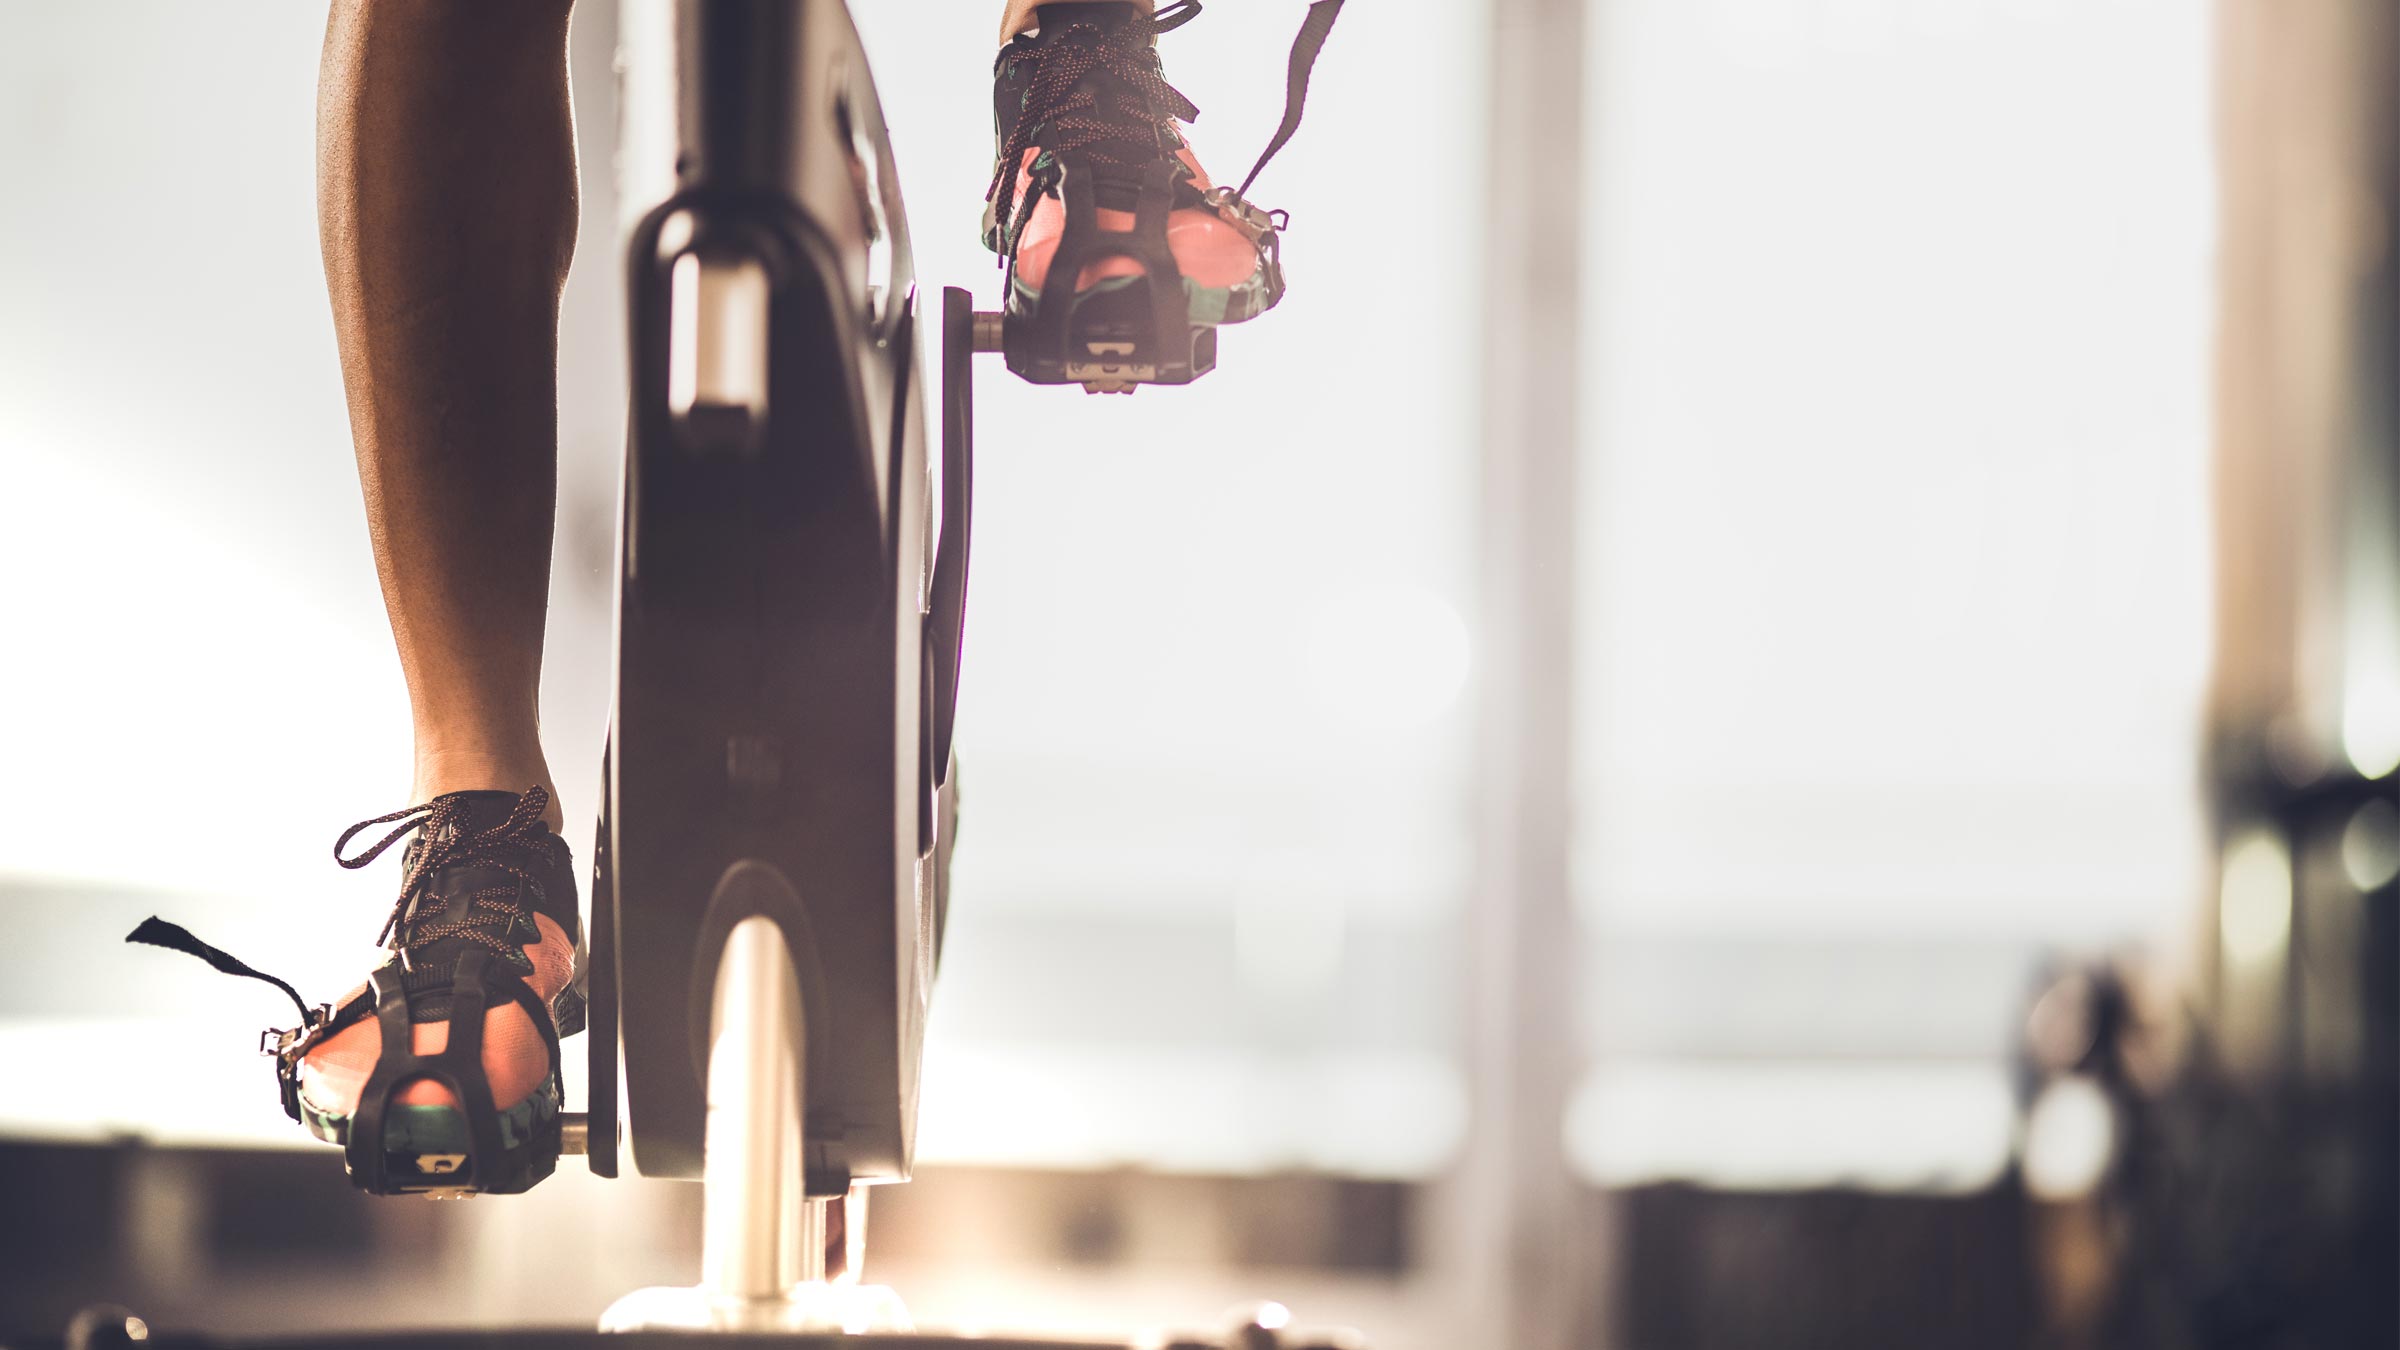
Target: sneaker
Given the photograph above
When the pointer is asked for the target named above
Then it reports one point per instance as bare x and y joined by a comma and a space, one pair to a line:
487, 899
1083, 97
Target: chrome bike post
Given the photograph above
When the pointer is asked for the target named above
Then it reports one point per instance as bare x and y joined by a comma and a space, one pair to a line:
762, 1243
760, 1234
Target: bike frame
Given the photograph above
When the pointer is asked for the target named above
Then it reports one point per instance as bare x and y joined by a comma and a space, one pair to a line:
771, 870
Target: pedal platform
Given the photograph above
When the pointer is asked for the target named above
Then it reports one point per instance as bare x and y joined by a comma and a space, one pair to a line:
1103, 360
1107, 359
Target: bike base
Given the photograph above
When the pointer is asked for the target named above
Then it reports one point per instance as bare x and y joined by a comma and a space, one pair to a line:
814, 1307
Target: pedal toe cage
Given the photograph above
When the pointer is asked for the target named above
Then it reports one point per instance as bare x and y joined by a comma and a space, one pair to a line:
1096, 338
490, 1165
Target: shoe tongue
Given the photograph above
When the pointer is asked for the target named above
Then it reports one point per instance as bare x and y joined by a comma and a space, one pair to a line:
481, 811
477, 813
432, 963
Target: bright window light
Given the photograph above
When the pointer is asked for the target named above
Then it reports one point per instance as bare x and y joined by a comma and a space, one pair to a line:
1894, 550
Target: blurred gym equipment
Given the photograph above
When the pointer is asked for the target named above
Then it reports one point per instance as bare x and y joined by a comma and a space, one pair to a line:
2246, 1156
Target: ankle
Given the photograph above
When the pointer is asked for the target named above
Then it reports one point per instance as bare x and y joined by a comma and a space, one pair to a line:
440, 771
1019, 15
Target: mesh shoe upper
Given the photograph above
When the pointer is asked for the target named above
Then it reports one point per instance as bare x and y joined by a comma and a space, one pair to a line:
1086, 89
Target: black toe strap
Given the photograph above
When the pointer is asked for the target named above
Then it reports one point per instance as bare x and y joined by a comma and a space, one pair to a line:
458, 1065
285, 1047
1083, 241
157, 932
1313, 31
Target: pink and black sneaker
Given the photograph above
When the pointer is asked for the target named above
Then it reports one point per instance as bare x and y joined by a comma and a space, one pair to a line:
1094, 179
440, 1073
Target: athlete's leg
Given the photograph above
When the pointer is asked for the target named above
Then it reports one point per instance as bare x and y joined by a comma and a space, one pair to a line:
446, 203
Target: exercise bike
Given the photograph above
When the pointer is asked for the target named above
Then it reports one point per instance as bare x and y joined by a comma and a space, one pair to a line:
771, 871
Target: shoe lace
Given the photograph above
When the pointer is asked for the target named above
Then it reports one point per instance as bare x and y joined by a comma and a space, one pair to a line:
1126, 128
486, 914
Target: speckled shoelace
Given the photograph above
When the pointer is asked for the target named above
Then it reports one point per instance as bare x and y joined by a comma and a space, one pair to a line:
1130, 128
485, 916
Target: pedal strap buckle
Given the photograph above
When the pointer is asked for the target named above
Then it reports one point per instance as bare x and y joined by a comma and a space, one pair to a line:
276, 1042
289, 1047
1256, 223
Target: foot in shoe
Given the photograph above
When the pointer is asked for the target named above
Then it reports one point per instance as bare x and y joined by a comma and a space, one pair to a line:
484, 871
1087, 83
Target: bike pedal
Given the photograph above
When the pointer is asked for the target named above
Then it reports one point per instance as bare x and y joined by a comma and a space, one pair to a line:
1111, 369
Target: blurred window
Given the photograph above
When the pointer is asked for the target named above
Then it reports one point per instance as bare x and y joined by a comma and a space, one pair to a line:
1894, 559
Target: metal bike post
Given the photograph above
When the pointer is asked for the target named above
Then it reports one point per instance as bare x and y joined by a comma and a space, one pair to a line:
760, 1234
762, 1256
